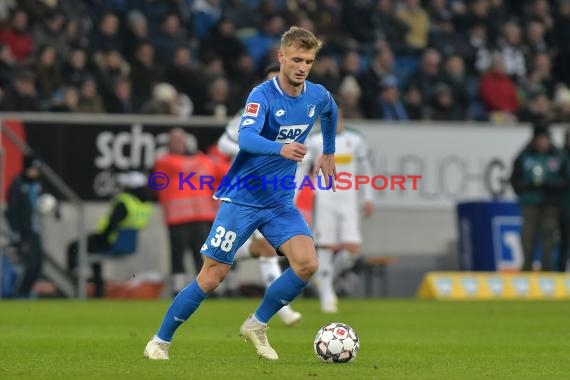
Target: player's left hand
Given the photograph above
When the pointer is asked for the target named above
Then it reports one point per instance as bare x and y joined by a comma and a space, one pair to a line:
368, 209
327, 165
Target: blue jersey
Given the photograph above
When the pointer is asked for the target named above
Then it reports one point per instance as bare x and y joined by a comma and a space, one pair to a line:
259, 176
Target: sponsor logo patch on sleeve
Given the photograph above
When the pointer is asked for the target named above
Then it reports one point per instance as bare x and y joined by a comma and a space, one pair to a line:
251, 109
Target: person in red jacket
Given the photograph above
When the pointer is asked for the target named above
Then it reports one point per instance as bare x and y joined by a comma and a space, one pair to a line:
498, 91
188, 211
18, 36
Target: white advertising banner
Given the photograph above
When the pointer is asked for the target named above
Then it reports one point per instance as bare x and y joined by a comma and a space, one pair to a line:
457, 162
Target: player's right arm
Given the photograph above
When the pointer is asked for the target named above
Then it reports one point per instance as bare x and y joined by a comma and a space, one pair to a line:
252, 122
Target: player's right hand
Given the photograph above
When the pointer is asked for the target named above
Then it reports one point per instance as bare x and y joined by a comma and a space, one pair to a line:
294, 151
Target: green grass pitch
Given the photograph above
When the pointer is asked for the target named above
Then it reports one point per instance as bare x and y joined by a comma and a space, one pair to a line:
400, 339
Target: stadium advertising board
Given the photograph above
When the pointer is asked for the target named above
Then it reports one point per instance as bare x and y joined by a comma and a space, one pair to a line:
458, 162
490, 285
88, 155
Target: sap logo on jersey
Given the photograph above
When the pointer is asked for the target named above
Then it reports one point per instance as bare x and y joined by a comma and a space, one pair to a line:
290, 133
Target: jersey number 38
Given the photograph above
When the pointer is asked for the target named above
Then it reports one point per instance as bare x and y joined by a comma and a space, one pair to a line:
223, 239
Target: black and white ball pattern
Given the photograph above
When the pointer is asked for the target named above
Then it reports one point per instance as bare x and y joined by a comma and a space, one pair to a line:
336, 343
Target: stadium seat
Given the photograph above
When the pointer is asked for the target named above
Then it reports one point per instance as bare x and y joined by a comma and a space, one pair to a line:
125, 245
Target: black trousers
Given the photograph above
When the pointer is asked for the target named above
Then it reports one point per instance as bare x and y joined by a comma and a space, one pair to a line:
190, 235
30, 254
564, 241
94, 245
540, 222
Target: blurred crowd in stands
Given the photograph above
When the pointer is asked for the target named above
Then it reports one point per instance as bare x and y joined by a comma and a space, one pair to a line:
497, 60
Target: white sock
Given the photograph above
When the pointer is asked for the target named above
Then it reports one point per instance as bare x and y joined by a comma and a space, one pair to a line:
254, 319
157, 339
325, 276
343, 260
270, 269
178, 282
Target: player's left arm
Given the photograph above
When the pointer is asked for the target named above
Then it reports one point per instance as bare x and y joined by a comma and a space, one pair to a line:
326, 163
364, 167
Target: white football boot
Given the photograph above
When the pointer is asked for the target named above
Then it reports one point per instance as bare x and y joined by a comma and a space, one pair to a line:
255, 332
329, 305
289, 316
156, 350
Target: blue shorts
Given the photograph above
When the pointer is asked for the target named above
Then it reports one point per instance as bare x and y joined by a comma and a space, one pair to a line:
235, 223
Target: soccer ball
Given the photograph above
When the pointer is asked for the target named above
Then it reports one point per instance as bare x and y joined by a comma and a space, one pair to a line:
336, 343
46, 204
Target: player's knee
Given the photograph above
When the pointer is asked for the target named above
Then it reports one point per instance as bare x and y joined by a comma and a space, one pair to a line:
211, 276
307, 268
210, 282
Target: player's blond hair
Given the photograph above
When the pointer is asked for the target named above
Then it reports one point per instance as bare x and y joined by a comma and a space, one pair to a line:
302, 37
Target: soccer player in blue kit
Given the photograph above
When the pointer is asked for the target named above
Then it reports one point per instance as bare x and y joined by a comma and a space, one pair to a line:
278, 117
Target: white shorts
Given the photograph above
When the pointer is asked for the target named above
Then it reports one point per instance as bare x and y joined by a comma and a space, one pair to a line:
335, 224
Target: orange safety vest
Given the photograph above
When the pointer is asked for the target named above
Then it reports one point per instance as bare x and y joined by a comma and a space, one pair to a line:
186, 204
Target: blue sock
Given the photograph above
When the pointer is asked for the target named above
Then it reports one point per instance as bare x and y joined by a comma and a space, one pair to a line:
278, 294
184, 304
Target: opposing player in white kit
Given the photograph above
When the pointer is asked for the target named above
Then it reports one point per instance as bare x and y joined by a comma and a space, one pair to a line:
337, 214
256, 245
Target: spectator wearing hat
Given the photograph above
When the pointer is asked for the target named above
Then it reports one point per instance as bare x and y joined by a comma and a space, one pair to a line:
350, 93
130, 210
23, 217
167, 101
443, 105
22, 95
388, 104
540, 178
